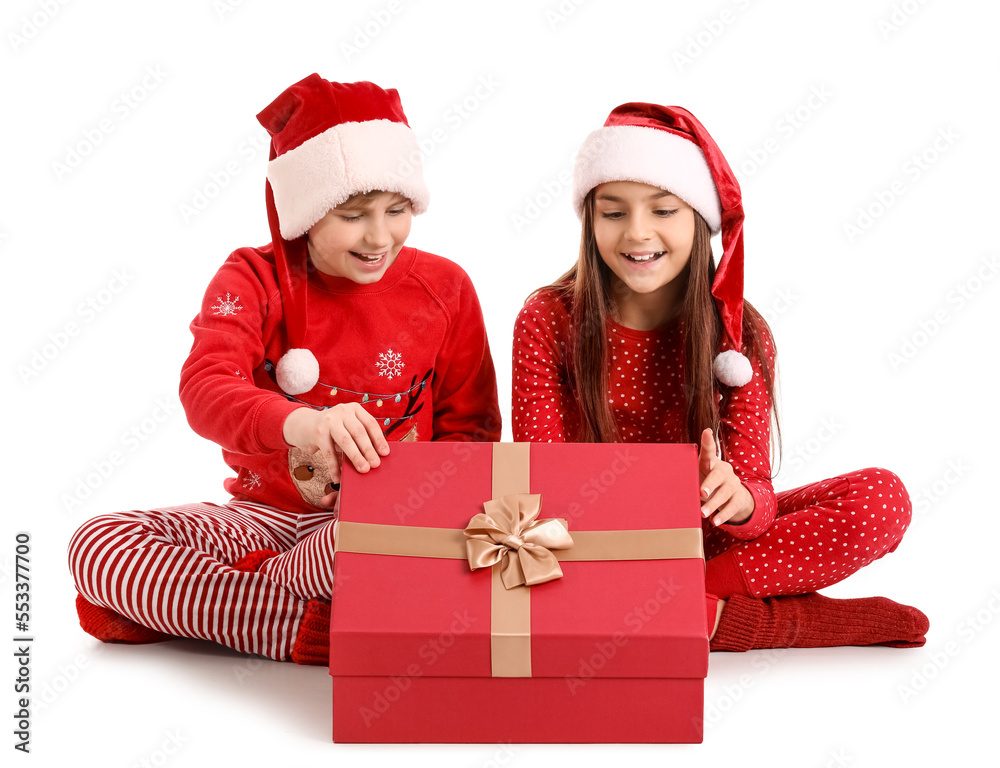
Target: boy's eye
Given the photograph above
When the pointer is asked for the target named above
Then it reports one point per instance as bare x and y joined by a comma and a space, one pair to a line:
351, 218
397, 211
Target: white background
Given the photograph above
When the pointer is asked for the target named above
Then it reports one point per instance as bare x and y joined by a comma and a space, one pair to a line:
894, 77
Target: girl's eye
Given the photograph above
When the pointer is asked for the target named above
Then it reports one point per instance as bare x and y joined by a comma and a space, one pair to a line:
665, 213
612, 215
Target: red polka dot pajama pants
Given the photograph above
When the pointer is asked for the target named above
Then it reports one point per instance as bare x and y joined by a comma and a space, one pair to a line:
823, 533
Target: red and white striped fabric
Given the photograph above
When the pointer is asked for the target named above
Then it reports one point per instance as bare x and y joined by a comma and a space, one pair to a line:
171, 570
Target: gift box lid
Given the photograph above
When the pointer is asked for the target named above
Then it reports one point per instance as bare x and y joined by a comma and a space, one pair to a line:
398, 614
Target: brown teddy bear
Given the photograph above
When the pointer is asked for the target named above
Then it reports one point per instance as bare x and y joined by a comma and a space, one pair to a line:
312, 476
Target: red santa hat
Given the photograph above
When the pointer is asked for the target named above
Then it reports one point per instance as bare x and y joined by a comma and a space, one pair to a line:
668, 148
329, 141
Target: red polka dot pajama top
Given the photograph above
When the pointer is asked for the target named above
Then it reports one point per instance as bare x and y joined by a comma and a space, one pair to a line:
795, 541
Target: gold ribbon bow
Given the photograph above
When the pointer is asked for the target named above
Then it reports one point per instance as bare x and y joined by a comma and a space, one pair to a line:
509, 530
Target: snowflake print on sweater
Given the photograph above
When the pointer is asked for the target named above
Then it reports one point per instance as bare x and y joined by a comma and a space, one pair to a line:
390, 364
227, 306
251, 481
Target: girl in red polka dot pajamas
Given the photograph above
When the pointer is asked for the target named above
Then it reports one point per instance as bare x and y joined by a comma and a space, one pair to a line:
646, 339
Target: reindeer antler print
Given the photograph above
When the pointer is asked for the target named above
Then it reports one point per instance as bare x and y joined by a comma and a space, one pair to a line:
412, 397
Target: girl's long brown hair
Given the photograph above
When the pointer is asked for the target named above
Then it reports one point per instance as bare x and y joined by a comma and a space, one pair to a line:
588, 286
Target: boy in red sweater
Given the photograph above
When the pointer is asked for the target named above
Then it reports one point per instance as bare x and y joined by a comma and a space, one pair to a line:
333, 340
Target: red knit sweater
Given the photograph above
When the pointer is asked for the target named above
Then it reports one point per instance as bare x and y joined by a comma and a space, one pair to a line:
412, 348
646, 395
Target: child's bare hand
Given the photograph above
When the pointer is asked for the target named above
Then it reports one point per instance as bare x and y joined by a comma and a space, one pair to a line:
346, 428
721, 490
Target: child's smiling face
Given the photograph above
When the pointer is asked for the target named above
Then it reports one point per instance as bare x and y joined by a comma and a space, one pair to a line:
361, 238
644, 234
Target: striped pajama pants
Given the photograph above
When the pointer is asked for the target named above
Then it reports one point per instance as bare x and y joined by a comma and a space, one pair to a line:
170, 569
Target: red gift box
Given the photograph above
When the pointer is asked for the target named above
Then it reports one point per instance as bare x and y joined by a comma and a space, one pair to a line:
423, 649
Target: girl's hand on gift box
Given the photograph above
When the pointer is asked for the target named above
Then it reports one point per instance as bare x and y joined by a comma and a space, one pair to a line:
346, 428
721, 490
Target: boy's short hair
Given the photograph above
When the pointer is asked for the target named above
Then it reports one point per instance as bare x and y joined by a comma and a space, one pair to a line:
363, 198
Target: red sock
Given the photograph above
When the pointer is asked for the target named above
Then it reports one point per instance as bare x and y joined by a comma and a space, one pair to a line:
253, 561
814, 621
312, 643
110, 627
723, 576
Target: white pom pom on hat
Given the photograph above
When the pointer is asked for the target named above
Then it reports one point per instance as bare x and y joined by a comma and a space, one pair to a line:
732, 368
297, 371
668, 148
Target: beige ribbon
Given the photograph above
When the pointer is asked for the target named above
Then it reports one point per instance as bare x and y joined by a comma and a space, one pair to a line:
510, 606
509, 532
510, 609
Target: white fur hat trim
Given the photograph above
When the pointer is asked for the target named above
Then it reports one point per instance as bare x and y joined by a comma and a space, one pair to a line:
651, 156
345, 160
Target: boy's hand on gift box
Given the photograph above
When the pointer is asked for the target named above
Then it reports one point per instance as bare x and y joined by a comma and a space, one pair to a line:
721, 490
346, 428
